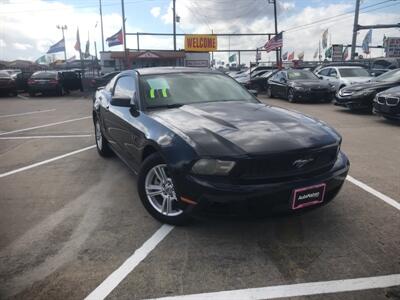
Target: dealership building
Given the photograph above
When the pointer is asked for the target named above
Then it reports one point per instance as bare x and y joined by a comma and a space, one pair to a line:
114, 60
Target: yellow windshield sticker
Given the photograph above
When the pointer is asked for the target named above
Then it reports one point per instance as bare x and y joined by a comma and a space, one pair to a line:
164, 93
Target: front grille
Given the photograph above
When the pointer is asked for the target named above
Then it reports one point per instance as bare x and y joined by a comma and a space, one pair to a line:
320, 90
283, 165
392, 101
381, 100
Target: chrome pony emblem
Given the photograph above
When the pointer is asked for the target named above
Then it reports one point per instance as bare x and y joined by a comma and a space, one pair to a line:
299, 163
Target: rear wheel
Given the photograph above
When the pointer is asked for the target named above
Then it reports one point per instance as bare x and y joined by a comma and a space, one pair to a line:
269, 92
101, 143
158, 193
290, 95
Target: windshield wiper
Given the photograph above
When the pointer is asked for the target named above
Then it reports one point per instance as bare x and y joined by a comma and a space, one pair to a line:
175, 105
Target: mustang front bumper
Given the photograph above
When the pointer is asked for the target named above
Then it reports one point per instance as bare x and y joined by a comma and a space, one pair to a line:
277, 196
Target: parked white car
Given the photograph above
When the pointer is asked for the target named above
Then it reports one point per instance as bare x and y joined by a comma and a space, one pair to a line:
342, 76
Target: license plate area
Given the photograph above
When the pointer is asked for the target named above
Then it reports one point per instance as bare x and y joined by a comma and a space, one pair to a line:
308, 196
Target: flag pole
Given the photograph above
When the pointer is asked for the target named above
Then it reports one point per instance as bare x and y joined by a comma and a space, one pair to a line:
123, 34
101, 24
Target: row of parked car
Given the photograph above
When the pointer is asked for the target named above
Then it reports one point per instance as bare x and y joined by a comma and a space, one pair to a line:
41, 82
349, 86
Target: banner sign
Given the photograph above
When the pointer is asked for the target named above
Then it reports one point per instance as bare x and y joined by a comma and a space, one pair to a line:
392, 46
337, 52
200, 42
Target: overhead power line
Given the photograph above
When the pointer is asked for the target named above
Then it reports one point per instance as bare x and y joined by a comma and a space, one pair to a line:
339, 15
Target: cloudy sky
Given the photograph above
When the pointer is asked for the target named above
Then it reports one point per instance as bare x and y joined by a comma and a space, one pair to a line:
28, 27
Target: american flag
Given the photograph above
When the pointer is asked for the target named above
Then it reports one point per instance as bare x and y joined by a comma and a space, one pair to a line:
274, 43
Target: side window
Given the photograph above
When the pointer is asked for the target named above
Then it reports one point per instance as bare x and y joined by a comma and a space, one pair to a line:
333, 72
110, 85
125, 87
275, 77
324, 72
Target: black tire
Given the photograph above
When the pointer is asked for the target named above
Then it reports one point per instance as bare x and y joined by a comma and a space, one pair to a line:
14, 93
101, 142
32, 94
269, 92
290, 95
183, 217
60, 91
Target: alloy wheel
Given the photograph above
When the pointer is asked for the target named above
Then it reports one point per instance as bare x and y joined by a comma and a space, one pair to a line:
160, 191
99, 138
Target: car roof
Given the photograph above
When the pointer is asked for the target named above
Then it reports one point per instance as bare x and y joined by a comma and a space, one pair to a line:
345, 67
171, 70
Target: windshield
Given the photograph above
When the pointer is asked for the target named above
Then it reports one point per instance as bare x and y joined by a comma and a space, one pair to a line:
354, 72
180, 89
266, 74
44, 75
295, 75
389, 76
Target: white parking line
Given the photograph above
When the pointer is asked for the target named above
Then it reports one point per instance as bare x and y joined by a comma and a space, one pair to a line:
27, 113
46, 125
45, 137
22, 97
374, 192
45, 161
296, 290
112, 281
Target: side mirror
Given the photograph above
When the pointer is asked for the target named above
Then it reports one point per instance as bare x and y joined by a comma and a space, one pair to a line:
254, 92
320, 77
119, 101
283, 80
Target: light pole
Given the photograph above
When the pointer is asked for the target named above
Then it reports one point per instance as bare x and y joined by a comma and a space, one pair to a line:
63, 27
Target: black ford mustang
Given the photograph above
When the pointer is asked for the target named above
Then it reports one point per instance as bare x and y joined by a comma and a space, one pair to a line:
298, 85
196, 136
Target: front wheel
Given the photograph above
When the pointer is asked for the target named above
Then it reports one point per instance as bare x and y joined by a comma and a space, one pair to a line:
101, 143
158, 193
290, 95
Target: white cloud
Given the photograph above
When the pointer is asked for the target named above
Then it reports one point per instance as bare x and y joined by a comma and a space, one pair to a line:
22, 46
155, 11
2, 43
28, 28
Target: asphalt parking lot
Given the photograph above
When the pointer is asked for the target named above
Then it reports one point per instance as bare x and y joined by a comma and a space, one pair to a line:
71, 221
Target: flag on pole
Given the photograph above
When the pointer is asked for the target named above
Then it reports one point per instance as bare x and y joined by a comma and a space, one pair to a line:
328, 52
232, 58
87, 49
316, 53
77, 46
57, 47
285, 55
41, 60
300, 56
274, 43
291, 56
346, 53
367, 41
115, 39
325, 39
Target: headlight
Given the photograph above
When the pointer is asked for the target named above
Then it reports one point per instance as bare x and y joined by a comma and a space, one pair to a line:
333, 87
213, 167
299, 88
363, 93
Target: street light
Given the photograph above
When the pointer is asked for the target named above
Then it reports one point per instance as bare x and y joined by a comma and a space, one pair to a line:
63, 27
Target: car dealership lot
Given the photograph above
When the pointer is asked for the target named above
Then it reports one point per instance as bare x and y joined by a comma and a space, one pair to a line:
68, 224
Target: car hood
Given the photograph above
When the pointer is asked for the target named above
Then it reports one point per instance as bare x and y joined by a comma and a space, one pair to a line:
393, 92
356, 79
310, 83
371, 85
236, 128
